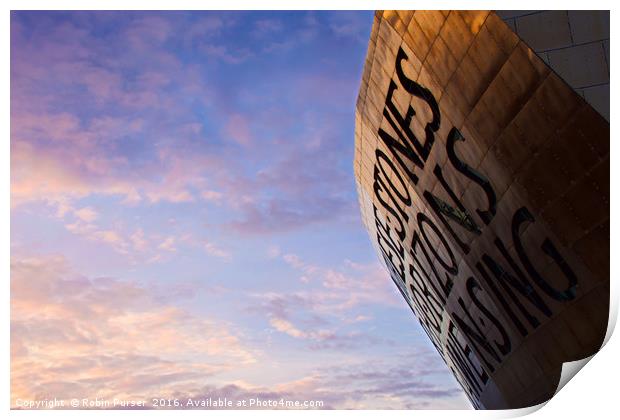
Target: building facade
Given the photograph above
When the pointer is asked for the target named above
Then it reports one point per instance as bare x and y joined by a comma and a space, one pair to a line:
482, 168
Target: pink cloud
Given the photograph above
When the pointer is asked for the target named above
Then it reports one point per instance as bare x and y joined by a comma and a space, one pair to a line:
216, 251
86, 214
404, 381
238, 130
210, 195
332, 294
226, 54
148, 30
100, 334
265, 27
79, 337
74, 163
168, 244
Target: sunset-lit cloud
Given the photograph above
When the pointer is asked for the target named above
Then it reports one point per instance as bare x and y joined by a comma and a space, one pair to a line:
184, 220
73, 336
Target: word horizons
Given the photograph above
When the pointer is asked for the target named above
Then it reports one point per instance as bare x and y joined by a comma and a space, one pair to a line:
524, 296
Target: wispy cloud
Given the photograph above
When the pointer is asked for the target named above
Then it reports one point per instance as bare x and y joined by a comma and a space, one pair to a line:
404, 381
321, 313
264, 27
215, 251
189, 173
74, 336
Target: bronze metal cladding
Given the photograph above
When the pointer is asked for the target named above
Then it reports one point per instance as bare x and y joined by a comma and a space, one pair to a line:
483, 181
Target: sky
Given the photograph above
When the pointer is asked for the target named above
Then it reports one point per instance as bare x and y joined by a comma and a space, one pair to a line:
184, 218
